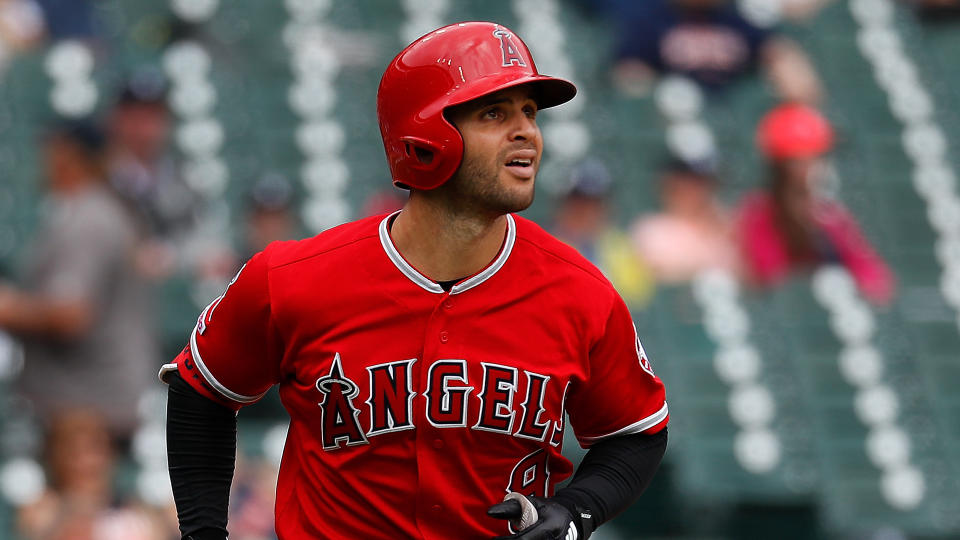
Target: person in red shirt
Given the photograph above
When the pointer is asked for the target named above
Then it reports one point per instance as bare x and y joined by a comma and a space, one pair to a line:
428, 357
788, 226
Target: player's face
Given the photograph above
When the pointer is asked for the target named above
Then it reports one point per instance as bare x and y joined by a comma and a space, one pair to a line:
502, 149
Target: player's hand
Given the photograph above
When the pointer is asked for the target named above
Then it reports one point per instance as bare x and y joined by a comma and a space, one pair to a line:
555, 521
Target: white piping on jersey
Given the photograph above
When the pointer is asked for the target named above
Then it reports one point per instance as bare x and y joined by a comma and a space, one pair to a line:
430, 285
227, 393
164, 370
399, 261
636, 427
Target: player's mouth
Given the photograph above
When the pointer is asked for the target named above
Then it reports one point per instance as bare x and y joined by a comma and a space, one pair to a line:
522, 163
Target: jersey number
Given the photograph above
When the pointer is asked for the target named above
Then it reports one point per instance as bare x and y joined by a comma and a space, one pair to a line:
531, 475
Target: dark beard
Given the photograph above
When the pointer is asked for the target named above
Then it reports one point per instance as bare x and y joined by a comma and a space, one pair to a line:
475, 189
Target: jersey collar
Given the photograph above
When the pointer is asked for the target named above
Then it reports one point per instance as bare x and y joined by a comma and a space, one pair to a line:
430, 285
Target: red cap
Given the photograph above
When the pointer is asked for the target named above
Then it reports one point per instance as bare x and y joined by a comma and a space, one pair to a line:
794, 131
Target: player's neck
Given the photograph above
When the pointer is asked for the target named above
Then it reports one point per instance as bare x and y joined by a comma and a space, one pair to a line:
443, 245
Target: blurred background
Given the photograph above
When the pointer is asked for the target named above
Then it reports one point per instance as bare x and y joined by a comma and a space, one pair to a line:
770, 184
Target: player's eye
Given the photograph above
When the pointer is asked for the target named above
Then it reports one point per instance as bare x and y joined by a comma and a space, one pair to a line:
530, 111
492, 113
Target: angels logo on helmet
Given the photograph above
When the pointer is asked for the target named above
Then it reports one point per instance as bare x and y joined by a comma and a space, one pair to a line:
511, 53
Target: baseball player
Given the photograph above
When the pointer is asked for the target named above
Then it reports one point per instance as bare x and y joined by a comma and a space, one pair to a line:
427, 358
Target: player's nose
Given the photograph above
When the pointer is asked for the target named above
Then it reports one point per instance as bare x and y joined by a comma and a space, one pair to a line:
523, 127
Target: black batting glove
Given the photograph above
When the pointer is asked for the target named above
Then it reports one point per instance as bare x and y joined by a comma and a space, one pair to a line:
556, 521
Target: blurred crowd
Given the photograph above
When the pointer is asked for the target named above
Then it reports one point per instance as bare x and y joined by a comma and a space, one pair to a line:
788, 225
118, 220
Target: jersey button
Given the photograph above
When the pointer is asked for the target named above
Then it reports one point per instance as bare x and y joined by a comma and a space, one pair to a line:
447, 304
436, 508
444, 336
438, 444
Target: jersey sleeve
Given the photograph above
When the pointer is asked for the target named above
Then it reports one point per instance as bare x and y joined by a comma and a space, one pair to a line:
621, 394
234, 351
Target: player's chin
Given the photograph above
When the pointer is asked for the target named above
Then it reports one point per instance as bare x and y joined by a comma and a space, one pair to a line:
518, 183
518, 200
523, 205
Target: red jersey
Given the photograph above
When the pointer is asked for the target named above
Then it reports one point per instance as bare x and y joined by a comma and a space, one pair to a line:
412, 409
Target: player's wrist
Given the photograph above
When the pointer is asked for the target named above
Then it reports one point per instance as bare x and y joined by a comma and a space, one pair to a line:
581, 514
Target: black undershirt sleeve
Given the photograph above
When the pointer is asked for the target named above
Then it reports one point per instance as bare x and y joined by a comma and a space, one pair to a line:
613, 474
201, 450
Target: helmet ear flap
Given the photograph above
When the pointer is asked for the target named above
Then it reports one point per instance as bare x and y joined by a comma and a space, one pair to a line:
422, 154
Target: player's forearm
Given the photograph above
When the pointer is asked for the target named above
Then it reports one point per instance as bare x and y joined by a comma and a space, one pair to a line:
614, 474
201, 450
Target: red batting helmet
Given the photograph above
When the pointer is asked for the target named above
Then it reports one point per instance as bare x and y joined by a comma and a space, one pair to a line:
794, 131
450, 66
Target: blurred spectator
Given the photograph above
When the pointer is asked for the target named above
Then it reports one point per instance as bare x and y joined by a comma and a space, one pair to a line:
801, 10
936, 10
179, 229
270, 215
79, 502
82, 314
252, 499
789, 225
146, 175
709, 41
583, 220
68, 19
21, 27
693, 232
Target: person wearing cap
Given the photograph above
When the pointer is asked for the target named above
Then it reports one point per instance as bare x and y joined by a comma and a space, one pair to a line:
82, 313
789, 225
144, 172
269, 214
582, 219
693, 232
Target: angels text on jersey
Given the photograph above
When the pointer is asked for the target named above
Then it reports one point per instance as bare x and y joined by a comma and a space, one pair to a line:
497, 406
